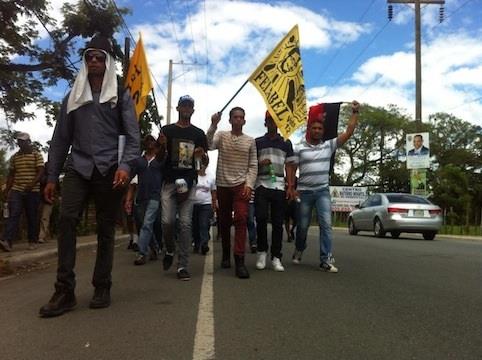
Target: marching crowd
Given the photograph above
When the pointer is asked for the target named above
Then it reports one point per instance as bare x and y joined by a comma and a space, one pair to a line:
170, 195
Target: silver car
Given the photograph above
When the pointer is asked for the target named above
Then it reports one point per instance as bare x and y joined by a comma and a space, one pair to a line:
396, 213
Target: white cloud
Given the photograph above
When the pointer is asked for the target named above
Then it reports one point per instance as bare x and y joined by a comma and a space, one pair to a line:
241, 33
451, 77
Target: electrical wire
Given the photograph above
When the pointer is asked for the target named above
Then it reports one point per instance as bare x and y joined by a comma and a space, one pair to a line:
193, 45
319, 77
359, 54
51, 36
206, 41
135, 43
174, 30
124, 25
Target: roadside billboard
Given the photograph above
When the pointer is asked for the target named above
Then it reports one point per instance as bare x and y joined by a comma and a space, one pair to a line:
418, 150
344, 198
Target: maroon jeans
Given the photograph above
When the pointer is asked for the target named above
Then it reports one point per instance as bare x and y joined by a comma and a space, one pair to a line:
229, 200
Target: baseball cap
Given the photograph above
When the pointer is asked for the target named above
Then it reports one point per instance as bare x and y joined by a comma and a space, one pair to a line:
23, 136
185, 99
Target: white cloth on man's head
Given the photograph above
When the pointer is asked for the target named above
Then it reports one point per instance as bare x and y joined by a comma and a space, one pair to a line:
81, 92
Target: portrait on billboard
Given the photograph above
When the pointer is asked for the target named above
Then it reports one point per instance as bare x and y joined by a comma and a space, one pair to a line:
418, 151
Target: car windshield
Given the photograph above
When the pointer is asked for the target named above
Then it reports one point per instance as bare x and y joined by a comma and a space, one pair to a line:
407, 198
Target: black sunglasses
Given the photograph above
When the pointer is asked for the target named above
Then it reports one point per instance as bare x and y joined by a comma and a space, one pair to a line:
91, 55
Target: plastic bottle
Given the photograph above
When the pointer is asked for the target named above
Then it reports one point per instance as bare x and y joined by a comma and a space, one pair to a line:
272, 173
6, 212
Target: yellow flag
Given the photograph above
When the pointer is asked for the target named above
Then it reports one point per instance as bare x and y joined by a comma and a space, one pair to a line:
138, 79
279, 78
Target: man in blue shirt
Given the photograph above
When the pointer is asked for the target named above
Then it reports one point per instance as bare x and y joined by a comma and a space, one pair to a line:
92, 117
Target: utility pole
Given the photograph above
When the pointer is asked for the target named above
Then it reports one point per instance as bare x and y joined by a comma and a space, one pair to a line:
169, 94
169, 87
418, 48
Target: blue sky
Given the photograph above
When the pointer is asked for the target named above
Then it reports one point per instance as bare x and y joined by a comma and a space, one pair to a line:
349, 51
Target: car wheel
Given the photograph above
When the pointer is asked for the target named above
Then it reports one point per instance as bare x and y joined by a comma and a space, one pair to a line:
352, 230
395, 234
429, 235
378, 229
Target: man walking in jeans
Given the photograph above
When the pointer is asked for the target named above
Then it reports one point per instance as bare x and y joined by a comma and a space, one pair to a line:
274, 155
92, 117
313, 159
184, 143
235, 178
22, 191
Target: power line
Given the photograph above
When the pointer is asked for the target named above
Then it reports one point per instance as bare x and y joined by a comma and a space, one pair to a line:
206, 41
135, 43
450, 15
124, 25
51, 36
319, 77
174, 30
466, 103
360, 54
193, 44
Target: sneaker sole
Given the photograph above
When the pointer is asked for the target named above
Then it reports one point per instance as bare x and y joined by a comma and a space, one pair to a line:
329, 271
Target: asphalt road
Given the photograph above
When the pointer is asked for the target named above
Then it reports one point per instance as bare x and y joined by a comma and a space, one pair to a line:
392, 299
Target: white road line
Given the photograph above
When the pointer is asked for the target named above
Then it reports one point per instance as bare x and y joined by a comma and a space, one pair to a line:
204, 338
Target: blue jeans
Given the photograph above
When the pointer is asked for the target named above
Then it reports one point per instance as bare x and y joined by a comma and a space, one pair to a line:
146, 233
321, 200
170, 207
201, 222
17, 201
251, 225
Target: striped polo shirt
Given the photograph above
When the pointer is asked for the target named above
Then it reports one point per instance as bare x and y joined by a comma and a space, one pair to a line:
24, 166
314, 164
279, 152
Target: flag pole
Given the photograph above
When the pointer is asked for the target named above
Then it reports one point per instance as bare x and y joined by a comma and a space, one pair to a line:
237, 92
155, 102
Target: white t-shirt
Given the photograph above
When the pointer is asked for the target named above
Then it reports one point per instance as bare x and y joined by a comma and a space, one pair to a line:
202, 190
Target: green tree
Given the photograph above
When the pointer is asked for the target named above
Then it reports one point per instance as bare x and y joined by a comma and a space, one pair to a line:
149, 118
27, 68
455, 146
3, 164
372, 155
450, 187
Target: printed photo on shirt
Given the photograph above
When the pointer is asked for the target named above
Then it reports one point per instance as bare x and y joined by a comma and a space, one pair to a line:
184, 149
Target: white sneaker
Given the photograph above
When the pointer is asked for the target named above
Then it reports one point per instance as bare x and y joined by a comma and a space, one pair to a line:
328, 268
261, 261
297, 257
277, 266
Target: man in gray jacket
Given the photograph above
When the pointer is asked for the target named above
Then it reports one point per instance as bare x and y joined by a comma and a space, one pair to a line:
92, 117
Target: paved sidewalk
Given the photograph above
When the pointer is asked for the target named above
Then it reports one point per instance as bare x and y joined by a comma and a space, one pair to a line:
21, 255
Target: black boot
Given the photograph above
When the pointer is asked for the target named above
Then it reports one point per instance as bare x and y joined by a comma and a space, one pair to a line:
59, 303
226, 262
241, 270
101, 298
